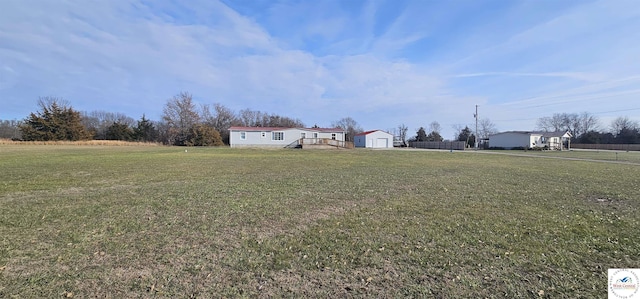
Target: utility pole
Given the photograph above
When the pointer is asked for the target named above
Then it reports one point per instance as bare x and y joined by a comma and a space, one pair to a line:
476, 133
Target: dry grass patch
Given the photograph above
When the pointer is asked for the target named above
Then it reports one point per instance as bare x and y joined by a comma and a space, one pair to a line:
79, 143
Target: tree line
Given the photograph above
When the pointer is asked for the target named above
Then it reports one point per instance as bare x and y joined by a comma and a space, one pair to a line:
182, 123
485, 129
584, 128
185, 123
587, 128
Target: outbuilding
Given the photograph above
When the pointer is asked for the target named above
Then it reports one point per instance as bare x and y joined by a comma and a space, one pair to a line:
373, 139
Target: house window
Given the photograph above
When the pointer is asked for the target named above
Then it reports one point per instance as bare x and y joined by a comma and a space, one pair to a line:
315, 135
243, 135
303, 135
277, 135
264, 135
333, 136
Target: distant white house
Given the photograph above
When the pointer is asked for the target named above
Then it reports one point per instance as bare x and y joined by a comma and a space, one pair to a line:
560, 140
373, 139
286, 137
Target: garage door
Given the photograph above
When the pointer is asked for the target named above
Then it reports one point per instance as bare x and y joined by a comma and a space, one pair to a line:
382, 142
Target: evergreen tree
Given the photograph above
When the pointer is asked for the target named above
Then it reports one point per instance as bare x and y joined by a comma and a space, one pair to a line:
145, 131
465, 135
628, 136
434, 136
56, 121
119, 131
591, 137
421, 134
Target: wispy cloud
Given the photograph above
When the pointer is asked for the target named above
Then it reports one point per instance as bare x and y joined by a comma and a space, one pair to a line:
569, 75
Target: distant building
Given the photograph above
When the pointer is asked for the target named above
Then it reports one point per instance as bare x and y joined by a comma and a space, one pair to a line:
373, 139
286, 137
560, 140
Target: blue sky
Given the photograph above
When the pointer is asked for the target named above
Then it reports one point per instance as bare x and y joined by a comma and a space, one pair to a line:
383, 63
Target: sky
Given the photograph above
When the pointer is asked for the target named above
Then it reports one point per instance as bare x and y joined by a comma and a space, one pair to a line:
382, 63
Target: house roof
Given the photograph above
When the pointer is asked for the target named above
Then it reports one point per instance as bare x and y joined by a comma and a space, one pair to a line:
366, 133
269, 129
556, 134
520, 132
369, 132
325, 130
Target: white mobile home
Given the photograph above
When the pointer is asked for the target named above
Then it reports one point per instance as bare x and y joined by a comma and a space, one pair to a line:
524, 139
285, 137
373, 139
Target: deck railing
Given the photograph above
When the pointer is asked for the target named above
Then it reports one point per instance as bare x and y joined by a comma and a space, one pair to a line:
325, 141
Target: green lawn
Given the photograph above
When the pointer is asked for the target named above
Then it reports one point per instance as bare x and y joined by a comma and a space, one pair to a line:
98, 221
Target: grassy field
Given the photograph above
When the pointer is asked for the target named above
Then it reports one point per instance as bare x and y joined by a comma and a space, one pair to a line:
599, 155
139, 221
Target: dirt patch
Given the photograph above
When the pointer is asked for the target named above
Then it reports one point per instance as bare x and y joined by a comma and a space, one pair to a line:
302, 221
599, 199
332, 283
608, 202
603, 200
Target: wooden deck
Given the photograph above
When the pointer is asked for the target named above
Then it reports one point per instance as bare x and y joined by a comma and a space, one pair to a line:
321, 143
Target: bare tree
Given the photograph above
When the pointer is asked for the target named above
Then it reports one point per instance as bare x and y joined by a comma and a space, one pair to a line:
224, 117
274, 120
586, 123
49, 101
623, 123
249, 118
180, 115
457, 128
434, 127
486, 128
349, 125
221, 119
10, 129
402, 134
99, 121
572, 123
252, 118
557, 122
163, 130
577, 124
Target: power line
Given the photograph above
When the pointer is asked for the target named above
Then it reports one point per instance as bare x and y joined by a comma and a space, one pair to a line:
581, 90
600, 112
581, 99
612, 111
